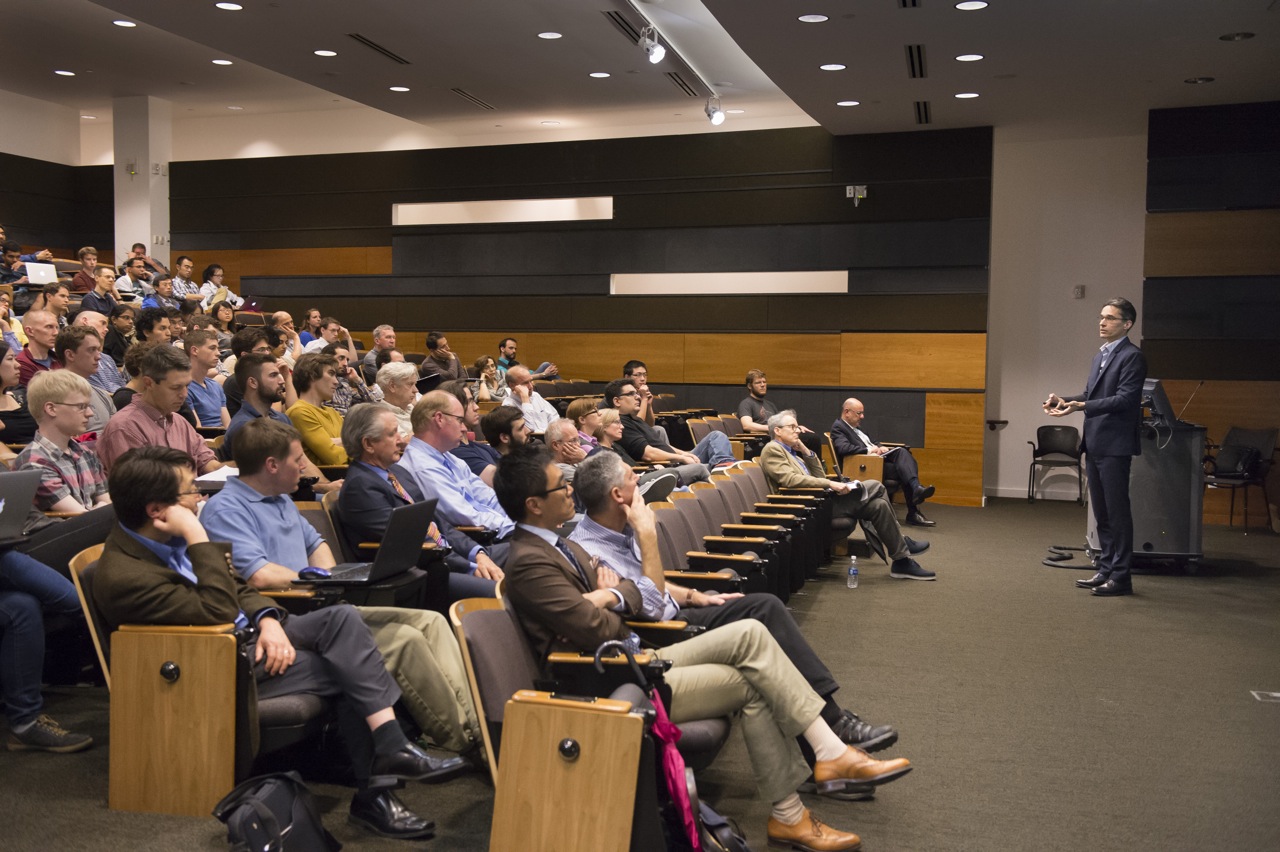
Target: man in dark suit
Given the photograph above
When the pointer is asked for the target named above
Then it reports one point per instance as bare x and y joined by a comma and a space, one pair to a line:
1112, 406
375, 485
565, 600
159, 567
899, 465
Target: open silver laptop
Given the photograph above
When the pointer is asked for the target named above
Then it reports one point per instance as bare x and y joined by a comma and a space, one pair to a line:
17, 491
41, 273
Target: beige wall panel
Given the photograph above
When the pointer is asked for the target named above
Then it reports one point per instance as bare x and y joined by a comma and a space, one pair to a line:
955, 421
788, 359
1220, 242
913, 360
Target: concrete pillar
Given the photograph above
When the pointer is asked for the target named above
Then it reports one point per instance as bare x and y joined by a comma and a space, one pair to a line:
142, 127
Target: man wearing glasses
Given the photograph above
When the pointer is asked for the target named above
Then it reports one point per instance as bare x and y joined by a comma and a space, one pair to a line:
643, 442
72, 479
1112, 406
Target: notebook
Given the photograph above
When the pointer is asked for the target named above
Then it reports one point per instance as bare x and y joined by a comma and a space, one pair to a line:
400, 549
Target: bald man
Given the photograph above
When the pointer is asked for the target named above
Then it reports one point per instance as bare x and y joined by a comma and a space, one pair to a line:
899, 464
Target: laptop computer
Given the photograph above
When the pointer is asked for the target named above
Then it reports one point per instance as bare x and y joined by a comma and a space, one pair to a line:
41, 273
17, 490
427, 384
401, 546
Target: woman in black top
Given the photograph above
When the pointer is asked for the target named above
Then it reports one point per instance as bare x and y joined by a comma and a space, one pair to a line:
120, 335
19, 427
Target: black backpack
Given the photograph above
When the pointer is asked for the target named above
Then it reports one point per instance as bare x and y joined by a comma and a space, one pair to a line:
274, 813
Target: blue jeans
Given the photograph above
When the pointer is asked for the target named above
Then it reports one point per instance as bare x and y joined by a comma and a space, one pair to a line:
27, 588
714, 449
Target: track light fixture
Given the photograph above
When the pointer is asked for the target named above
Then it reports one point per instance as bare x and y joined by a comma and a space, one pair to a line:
651, 46
713, 110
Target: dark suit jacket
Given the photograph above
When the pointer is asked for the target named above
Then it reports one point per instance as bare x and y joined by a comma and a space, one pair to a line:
364, 507
132, 586
1113, 403
547, 594
846, 441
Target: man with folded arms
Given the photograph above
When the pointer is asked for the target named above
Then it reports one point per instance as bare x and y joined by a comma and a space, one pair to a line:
788, 463
271, 542
899, 465
159, 567
620, 530
567, 602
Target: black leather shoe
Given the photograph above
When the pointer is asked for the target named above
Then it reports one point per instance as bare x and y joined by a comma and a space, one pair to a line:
386, 815
924, 492
411, 763
1112, 589
914, 547
916, 519
1093, 582
853, 731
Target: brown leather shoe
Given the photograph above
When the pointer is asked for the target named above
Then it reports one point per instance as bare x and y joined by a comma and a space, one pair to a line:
810, 835
854, 766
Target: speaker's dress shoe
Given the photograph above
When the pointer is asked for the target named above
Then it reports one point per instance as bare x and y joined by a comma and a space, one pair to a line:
810, 835
856, 767
916, 519
907, 568
853, 731
1112, 589
913, 546
1093, 582
411, 763
386, 815
924, 492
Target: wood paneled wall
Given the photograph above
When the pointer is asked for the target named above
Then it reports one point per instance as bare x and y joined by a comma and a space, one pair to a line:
331, 260
1217, 242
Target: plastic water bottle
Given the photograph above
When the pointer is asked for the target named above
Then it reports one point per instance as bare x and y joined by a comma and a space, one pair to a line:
853, 572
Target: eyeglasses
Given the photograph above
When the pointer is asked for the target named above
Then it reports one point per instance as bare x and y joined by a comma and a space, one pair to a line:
1105, 318
457, 417
634, 393
79, 406
561, 487
194, 492
789, 426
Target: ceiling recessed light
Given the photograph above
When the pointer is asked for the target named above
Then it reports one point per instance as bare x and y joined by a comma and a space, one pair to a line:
549, 35
221, 61
735, 111
235, 107
90, 117
325, 52
967, 95
229, 7
399, 88
832, 67
969, 57
550, 124
599, 75
847, 103
971, 5
65, 73
1235, 37
1192, 80
812, 19
130, 24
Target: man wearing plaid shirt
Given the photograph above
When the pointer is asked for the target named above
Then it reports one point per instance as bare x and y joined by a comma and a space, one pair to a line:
71, 476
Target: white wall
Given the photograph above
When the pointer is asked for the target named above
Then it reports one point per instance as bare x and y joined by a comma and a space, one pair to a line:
1064, 212
39, 129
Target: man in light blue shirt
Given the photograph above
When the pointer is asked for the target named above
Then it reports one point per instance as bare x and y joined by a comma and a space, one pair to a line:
464, 500
205, 395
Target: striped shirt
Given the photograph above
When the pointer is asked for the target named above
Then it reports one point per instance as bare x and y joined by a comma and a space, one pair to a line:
71, 471
621, 552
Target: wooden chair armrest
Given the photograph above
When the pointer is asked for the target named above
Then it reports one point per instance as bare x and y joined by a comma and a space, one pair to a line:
769, 518
801, 499
374, 545
763, 530
894, 444
674, 626
286, 594
62, 514
600, 705
187, 629
718, 539
793, 506
569, 657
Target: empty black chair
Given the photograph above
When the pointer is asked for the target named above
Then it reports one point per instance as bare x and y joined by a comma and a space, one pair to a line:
1243, 459
1062, 442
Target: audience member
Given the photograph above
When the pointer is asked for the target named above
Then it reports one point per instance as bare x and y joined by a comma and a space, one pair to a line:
152, 326
642, 442
17, 426
505, 430
164, 372
464, 499
351, 388
538, 413
315, 377
492, 385
507, 359
101, 297
213, 290
80, 350
440, 360
132, 283
41, 256
150, 265
479, 457
376, 485
38, 355
121, 335
384, 338
755, 410
159, 567
561, 437
398, 382
72, 479
184, 289
620, 531
899, 465
293, 346
161, 294
788, 463
584, 412
638, 373
331, 331
271, 542
86, 278
12, 269
567, 602
54, 298
244, 341
311, 326
14, 334
108, 377
223, 317
206, 396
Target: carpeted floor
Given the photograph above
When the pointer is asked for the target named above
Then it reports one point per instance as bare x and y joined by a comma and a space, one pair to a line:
1037, 716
